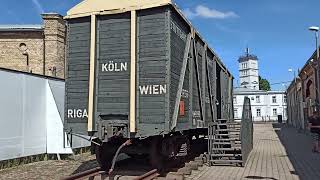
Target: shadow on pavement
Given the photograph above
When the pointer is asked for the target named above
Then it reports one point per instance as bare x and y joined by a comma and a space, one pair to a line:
298, 148
124, 167
260, 177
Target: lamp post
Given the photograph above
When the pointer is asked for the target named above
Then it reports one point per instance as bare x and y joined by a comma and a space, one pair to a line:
294, 73
295, 96
315, 29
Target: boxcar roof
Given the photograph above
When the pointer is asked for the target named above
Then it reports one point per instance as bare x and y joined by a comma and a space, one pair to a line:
88, 7
101, 7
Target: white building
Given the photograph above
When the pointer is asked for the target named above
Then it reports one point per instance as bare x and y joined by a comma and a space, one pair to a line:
265, 105
249, 71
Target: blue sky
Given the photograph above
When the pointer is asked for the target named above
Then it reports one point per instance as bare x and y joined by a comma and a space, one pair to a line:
275, 30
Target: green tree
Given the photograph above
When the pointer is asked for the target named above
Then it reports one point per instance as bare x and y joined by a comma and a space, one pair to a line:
264, 84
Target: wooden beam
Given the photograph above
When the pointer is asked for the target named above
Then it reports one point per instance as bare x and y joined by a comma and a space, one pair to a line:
181, 80
132, 116
92, 72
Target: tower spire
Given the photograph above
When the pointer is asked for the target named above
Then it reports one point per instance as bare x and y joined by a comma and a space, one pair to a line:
247, 51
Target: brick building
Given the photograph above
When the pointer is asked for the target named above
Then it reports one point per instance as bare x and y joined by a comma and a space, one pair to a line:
302, 94
39, 49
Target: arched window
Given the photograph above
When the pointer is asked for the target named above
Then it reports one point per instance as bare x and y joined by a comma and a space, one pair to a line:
309, 84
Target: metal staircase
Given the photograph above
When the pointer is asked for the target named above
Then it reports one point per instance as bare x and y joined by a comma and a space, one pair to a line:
225, 143
230, 142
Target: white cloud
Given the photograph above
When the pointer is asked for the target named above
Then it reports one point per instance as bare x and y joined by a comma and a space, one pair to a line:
38, 6
205, 12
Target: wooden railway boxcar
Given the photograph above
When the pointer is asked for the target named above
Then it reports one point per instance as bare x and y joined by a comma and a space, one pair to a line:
138, 68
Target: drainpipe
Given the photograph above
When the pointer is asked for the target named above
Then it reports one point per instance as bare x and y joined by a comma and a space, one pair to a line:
27, 55
44, 54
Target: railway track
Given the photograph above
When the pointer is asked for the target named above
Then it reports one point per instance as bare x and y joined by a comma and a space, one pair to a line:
177, 173
98, 173
89, 174
149, 175
134, 169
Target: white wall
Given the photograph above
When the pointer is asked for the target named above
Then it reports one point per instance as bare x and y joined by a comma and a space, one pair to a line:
266, 105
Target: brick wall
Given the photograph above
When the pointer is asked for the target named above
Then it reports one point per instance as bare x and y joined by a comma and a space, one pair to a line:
40, 51
13, 57
54, 31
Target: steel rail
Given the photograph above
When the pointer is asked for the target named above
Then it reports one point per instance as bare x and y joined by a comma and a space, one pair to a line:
149, 175
85, 174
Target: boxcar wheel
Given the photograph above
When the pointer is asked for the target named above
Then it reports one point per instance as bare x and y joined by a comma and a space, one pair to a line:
156, 158
104, 156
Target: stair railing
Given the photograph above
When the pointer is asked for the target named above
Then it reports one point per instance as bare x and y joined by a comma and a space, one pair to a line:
246, 130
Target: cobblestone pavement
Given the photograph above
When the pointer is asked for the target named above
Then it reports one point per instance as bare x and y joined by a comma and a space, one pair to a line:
50, 169
280, 153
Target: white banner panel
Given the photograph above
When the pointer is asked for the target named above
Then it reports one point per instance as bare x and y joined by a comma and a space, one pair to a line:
32, 114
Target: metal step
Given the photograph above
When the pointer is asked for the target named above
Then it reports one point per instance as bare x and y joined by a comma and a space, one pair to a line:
229, 130
222, 143
223, 124
225, 161
226, 143
226, 155
227, 139
228, 135
227, 149
235, 132
218, 136
222, 119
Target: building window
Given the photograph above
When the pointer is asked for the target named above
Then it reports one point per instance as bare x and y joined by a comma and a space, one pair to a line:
258, 112
236, 113
257, 99
275, 112
285, 112
234, 100
274, 99
244, 73
285, 99
309, 84
244, 65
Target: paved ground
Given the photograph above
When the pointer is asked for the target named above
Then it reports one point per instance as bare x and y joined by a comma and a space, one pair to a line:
50, 169
126, 169
280, 153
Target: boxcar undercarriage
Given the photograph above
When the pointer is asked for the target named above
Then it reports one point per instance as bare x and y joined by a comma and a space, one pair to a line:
158, 149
